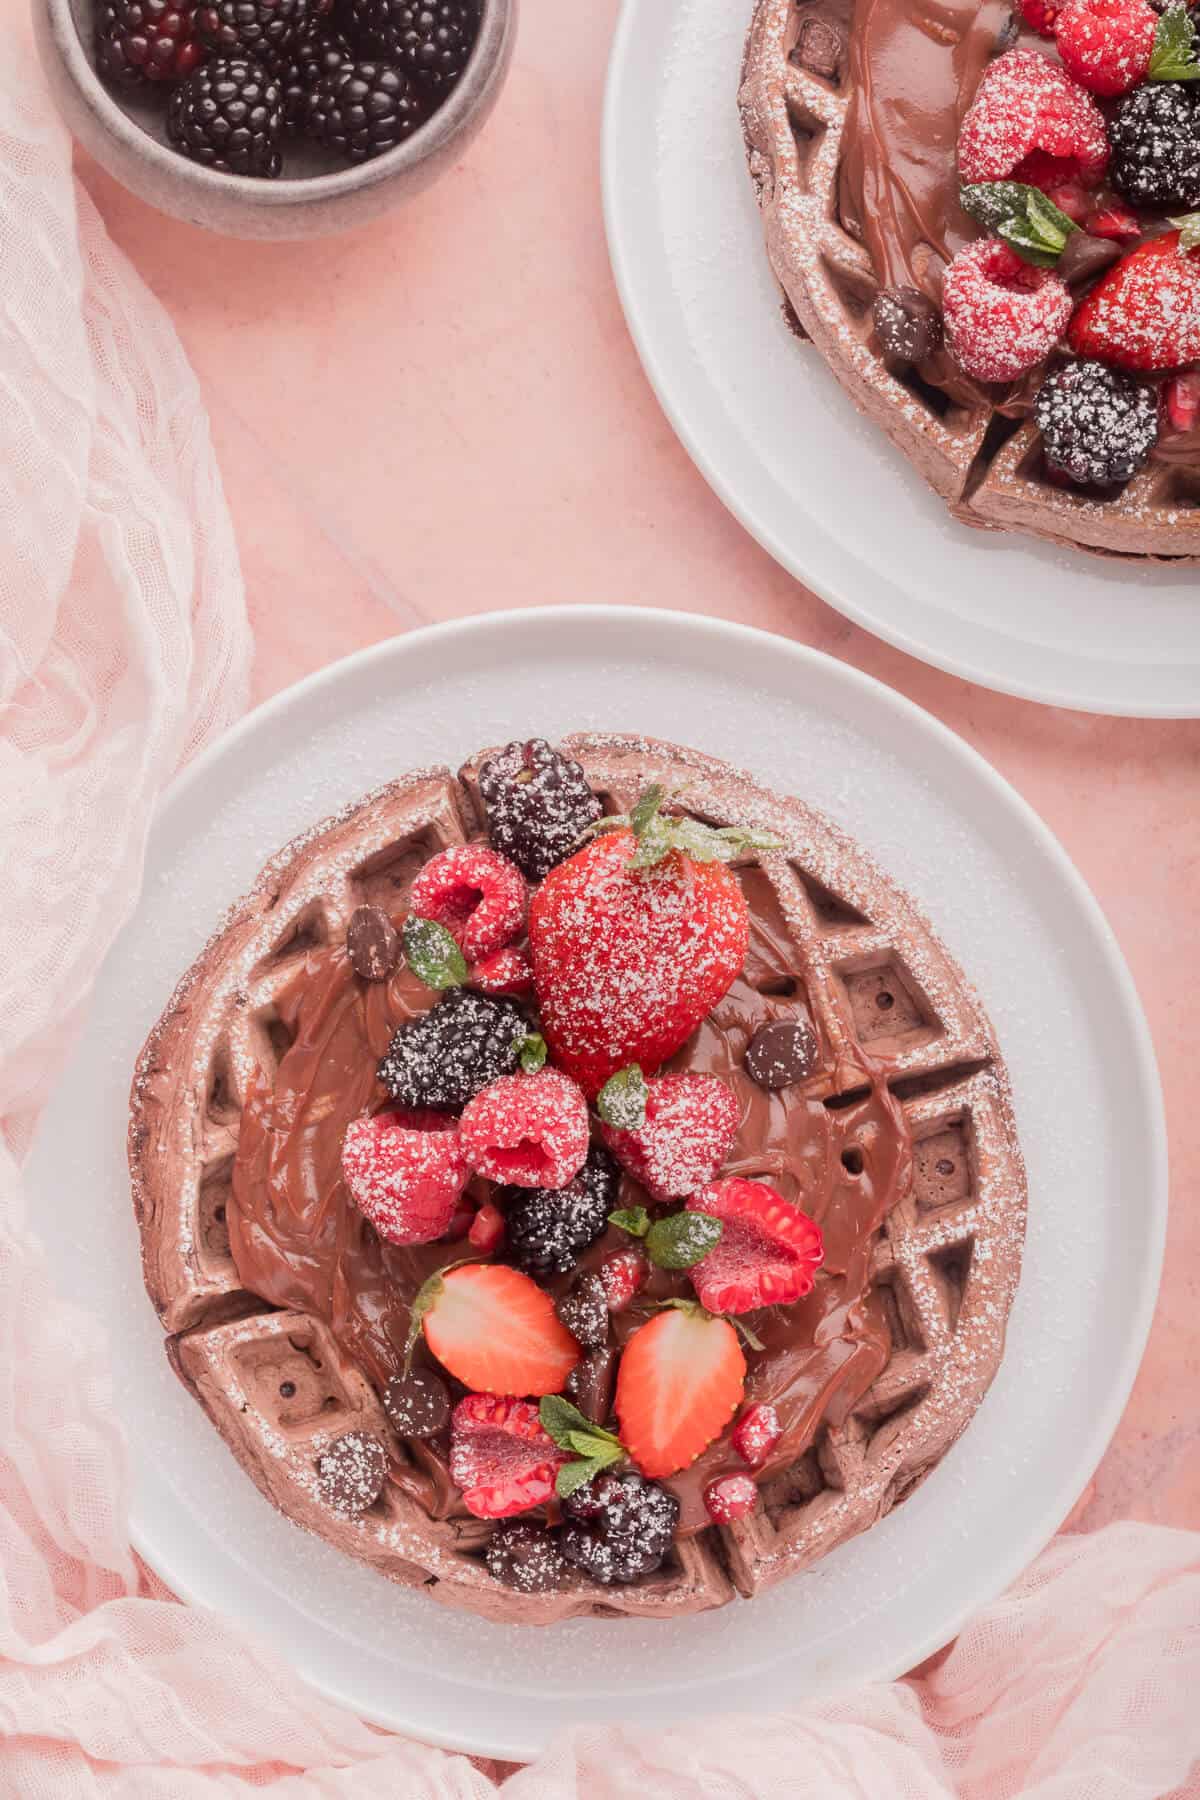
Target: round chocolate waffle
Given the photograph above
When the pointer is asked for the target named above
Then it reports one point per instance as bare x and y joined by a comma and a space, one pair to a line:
850, 206
285, 1317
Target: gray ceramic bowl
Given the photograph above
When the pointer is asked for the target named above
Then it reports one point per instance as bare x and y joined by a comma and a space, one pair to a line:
315, 195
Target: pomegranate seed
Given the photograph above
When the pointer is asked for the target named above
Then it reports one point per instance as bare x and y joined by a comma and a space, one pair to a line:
756, 1434
731, 1497
1116, 222
487, 1228
623, 1275
1181, 401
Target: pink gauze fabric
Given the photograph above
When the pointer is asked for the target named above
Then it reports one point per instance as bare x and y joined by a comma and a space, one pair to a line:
124, 649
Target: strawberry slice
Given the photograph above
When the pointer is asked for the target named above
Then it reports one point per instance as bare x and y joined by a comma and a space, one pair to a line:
691, 1121
767, 1255
1145, 313
495, 1330
500, 1456
681, 1380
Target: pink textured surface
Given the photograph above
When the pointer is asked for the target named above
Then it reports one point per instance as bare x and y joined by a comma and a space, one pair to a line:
444, 415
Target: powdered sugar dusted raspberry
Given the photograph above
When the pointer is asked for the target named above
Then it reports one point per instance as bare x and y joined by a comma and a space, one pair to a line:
527, 1130
405, 1178
1002, 316
1106, 44
1025, 103
500, 1456
478, 895
691, 1121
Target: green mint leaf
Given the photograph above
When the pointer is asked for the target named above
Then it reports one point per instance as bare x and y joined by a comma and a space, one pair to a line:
433, 956
597, 1446
659, 833
574, 1475
633, 1219
1173, 57
559, 1419
647, 809
1188, 227
532, 1051
683, 1240
1021, 216
622, 1101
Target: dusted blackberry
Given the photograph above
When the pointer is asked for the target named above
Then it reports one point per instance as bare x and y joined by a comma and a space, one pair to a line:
228, 116
538, 805
461, 1045
260, 28
525, 1556
620, 1527
364, 109
299, 67
146, 40
1155, 138
429, 39
584, 1311
1098, 427
550, 1228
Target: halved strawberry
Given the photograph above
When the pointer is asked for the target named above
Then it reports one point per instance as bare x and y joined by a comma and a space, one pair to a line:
500, 1456
495, 1330
681, 1380
691, 1121
767, 1255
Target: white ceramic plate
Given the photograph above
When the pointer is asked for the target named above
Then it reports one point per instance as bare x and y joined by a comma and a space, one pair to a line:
1008, 904
785, 448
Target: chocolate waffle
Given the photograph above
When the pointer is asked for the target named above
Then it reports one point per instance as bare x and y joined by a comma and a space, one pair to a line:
285, 1322
851, 204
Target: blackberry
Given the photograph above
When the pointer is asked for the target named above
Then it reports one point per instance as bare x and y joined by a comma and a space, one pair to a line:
228, 116
299, 67
363, 109
461, 1045
525, 1556
1155, 138
259, 28
146, 40
430, 40
619, 1527
550, 1228
1098, 427
584, 1311
538, 805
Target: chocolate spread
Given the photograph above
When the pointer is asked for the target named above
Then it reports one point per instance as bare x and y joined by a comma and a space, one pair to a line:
299, 1241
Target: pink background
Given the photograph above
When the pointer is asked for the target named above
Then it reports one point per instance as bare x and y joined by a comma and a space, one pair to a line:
443, 415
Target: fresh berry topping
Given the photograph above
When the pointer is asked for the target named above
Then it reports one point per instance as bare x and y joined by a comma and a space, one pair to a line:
417, 1403
624, 1275
372, 943
299, 66
691, 1121
405, 1179
767, 1255
680, 1381
525, 1556
1098, 427
1116, 222
592, 1382
1040, 15
1181, 402
478, 895
363, 109
460, 1225
351, 1473
256, 28
620, 1527
1155, 134
1025, 103
538, 805
627, 961
584, 1312
1106, 44
756, 1434
1145, 313
500, 1457
550, 1228
429, 39
783, 1052
1003, 316
228, 115
495, 1330
729, 1498
528, 1130
487, 1229
506, 971
452, 1052
1070, 197
147, 40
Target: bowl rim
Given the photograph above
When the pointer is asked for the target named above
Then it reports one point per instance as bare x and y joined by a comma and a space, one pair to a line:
470, 94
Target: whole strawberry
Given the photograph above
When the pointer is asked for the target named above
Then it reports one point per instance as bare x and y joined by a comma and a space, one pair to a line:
1145, 313
634, 940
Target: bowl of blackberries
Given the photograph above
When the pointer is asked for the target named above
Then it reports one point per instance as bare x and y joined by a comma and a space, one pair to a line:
275, 118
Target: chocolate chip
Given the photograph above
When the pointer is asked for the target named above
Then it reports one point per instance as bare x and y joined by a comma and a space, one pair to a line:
820, 48
525, 1556
418, 1404
584, 1312
287, 1389
782, 1052
372, 943
907, 323
1085, 256
591, 1382
351, 1473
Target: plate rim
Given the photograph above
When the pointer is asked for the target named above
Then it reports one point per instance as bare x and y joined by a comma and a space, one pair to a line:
844, 599
1142, 1303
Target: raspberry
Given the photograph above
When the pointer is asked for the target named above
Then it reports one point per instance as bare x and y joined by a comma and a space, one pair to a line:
500, 1456
257, 28
767, 1255
525, 1556
730, 1498
477, 895
620, 1527
691, 1122
528, 1130
405, 1173
756, 1434
1181, 402
624, 1275
228, 115
464, 1042
1155, 135
1040, 16
550, 1228
538, 805
487, 1229
1106, 44
147, 40
1025, 103
364, 109
1116, 223
1098, 427
1002, 316
507, 971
